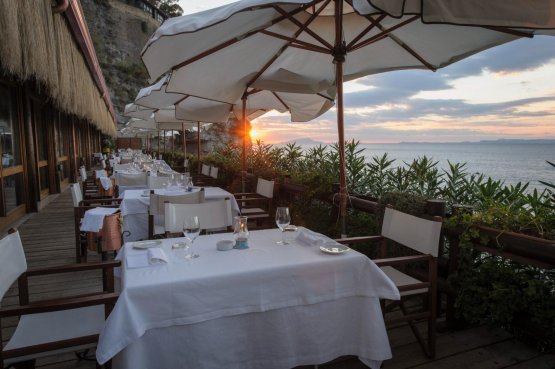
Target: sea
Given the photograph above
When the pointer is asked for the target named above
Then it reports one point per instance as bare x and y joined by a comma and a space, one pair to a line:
510, 162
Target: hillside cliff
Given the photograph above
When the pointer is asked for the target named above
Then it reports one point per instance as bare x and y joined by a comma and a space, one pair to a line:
119, 31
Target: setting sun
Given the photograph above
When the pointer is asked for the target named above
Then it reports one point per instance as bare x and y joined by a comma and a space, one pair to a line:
253, 134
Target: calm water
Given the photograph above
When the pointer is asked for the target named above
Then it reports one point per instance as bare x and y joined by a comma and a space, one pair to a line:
512, 163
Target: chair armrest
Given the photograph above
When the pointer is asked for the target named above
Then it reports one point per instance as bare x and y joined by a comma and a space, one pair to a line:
245, 194
360, 239
402, 260
252, 199
61, 304
74, 267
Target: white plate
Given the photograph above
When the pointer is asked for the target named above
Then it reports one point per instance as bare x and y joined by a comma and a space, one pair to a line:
146, 244
334, 248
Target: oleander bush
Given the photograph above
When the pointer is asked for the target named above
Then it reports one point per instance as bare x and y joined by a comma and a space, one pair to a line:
491, 289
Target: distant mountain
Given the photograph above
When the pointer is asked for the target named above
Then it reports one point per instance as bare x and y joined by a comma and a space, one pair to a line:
502, 141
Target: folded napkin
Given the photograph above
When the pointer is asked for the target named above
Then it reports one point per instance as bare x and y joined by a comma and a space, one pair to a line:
153, 256
92, 220
106, 183
311, 238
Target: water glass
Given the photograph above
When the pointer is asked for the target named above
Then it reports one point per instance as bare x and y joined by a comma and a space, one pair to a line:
191, 230
282, 220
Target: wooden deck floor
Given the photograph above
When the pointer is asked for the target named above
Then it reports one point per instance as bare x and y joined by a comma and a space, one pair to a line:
48, 240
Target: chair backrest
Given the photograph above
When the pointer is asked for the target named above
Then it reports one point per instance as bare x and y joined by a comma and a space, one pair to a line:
131, 179
103, 163
12, 261
76, 194
416, 233
156, 206
214, 172
211, 215
83, 173
155, 182
265, 188
205, 169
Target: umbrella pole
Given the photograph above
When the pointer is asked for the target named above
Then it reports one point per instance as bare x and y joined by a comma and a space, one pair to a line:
198, 147
173, 145
339, 53
184, 145
159, 144
165, 142
244, 153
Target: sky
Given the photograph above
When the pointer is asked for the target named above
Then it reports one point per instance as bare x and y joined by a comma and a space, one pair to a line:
507, 92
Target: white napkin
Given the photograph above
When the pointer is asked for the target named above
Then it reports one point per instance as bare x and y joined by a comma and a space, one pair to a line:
312, 238
153, 256
156, 256
106, 182
92, 220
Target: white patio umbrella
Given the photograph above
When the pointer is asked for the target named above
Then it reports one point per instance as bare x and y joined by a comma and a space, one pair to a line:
253, 103
308, 46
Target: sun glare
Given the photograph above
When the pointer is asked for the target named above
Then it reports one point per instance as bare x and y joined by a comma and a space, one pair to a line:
253, 134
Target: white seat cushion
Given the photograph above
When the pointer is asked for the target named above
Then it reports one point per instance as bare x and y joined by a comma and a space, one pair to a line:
402, 279
36, 329
252, 210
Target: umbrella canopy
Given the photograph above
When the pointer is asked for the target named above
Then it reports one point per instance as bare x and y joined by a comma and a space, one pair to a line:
136, 111
252, 104
302, 107
307, 46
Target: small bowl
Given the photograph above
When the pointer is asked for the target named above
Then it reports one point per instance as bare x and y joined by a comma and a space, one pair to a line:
225, 245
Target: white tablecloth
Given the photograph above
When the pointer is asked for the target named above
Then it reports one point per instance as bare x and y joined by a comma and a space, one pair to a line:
266, 307
134, 208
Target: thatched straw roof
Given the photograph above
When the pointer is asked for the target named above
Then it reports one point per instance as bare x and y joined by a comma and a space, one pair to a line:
39, 44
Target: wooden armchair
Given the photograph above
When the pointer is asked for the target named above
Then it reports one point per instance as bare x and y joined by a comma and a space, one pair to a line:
212, 215
422, 236
257, 205
203, 178
50, 327
156, 209
80, 206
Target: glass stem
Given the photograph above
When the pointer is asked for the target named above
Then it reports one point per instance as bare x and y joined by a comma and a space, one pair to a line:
283, 236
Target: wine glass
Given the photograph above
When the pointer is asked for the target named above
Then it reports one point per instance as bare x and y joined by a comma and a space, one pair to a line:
191, 230
282, 220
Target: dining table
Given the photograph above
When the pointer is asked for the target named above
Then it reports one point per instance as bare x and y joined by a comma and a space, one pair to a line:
268, 306
135, 203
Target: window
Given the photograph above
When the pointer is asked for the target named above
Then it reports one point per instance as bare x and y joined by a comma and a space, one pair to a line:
9, 135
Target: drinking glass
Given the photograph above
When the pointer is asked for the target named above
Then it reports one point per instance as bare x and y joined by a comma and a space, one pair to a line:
191, 230
282, 220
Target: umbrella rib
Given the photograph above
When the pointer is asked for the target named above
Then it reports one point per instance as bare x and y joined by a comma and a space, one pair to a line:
510, 31
300, 44
281, 101
282, 49
325, 97
236, 39
373, 23
384, 33
307, 30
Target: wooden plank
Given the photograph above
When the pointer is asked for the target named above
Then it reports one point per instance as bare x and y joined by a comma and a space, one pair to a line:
544, 361
496, 356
